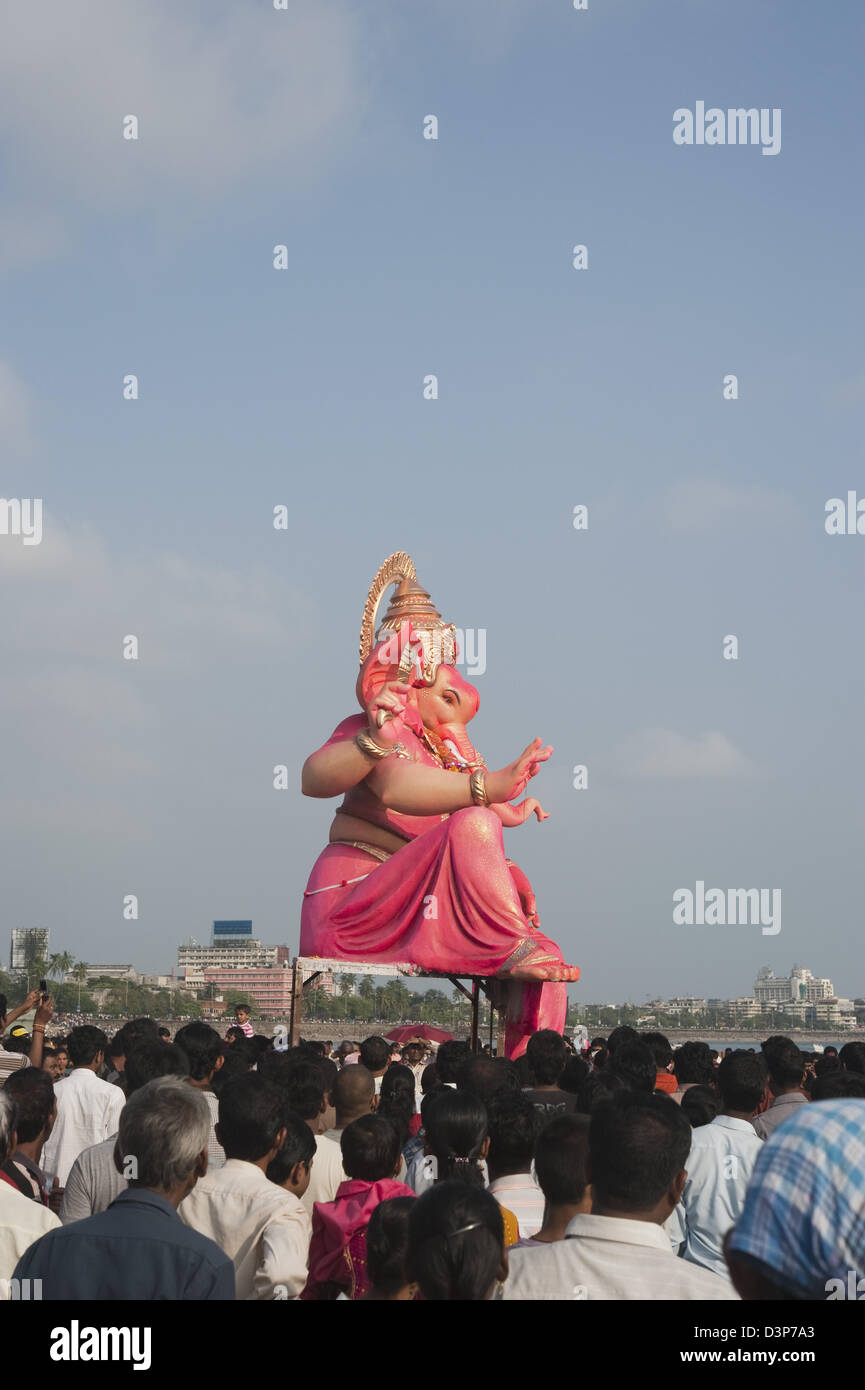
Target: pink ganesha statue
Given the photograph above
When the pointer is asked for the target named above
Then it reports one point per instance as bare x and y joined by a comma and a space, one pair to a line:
415, 871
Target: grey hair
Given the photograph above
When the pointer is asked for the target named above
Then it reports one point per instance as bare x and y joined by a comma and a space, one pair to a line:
163, 1128
8, 1116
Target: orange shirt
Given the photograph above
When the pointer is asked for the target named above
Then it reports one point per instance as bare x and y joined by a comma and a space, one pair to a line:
665, 1081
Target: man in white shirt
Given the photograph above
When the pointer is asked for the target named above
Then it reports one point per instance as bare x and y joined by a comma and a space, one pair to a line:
22, 1220
88, 1109
786, 1079
719, 1166
203, 1047
514, 1124
262, 1227
94, 1180
637, 1149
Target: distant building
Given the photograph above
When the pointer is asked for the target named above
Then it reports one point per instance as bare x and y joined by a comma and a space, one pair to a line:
108, 972
268, 988
799, 987
686, 1004
232, 947
28, 944
230, 954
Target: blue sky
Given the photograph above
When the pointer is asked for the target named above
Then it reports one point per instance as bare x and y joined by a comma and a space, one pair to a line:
556, 387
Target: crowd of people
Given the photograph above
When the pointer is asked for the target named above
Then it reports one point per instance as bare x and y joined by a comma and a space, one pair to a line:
198, 1168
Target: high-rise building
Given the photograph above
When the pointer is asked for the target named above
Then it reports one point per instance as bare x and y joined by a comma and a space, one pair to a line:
232, 948
28, 944
799, 987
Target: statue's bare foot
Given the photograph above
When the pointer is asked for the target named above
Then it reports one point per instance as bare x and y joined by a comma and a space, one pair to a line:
536, 965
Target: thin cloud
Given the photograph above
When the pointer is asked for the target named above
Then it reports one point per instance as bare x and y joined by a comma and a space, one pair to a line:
663, 753
223, 95
699, 504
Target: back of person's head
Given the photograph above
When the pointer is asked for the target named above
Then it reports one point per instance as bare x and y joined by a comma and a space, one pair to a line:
574, 1074
660, 1048
370, 1148
387, 1245
375, 1054
251, 1112
430, 1079
832, 1085
455, 1128
165, 1126
634, 1063
235, 1062
302, 1087
398, 1081
619, 1036
852, 1057
449, 1059
299, 1147
262, 1044
598, 1087
513, 1123
85, 1042
346, 1049
353, 1092
399, 1111
784, 1062
33, 1094
700, 1105
203, 1047
508, 1073
823, 1065
561, 1151
456, 1243
638, 1145
18, 1040
147, 1060
138, 1030
741, 1081
694, 1064
546, 1055
8, 1122
481, 1077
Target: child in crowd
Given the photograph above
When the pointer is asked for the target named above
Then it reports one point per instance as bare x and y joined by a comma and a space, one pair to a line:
337, 1255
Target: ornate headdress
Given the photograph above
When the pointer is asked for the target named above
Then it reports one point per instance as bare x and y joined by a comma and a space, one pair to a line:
410, 603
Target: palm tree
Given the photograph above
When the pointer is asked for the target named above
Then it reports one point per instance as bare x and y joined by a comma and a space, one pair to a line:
58, 966
80, 974
347, 984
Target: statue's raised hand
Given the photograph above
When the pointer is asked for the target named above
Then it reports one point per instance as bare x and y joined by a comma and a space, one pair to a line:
509, 781
385, 712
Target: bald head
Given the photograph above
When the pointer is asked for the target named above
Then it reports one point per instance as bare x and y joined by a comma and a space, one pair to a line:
353, 1094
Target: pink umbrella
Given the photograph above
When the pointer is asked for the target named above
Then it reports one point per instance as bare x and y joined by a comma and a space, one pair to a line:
420, 1032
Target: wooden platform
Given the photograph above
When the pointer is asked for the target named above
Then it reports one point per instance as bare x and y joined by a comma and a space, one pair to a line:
308, 969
